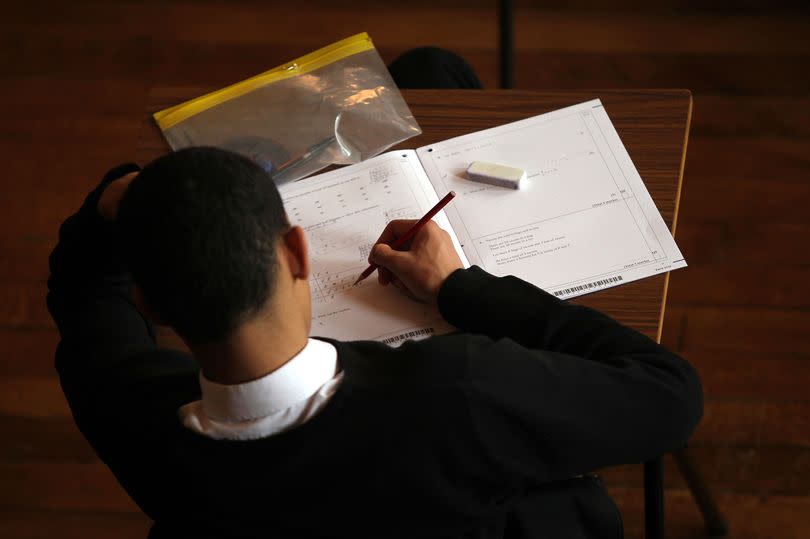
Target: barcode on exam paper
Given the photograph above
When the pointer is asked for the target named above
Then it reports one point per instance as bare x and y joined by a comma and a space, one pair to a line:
408, 335
588, 286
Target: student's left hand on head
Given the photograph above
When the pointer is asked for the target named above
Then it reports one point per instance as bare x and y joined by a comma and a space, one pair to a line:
111, 197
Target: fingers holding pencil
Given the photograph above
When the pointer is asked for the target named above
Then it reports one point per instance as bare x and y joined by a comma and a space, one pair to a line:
419, 265
412, 231
395, 230
390, 235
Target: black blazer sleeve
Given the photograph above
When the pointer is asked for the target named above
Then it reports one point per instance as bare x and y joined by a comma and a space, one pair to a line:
556, 390
89, 291
106, 353
123, 390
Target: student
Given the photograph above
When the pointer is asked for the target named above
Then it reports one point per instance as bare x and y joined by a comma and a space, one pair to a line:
265, 431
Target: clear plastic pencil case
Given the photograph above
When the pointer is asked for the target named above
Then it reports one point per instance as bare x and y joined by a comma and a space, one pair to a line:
337, 105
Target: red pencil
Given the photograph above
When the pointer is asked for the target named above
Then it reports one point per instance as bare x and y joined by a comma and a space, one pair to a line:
412, 231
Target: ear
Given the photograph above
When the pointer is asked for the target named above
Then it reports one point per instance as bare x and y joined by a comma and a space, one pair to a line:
295, 243
144, 308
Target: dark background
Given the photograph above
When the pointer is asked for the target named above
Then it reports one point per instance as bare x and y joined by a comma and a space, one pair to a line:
73, 90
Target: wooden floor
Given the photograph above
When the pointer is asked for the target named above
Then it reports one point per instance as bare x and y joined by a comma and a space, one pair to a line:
74, 81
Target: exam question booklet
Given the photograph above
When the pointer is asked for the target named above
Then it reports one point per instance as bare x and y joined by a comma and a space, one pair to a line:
583, 221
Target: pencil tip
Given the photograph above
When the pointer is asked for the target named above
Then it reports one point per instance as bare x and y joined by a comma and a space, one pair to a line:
357, 281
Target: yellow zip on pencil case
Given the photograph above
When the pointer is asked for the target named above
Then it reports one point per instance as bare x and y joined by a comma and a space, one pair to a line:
336, 105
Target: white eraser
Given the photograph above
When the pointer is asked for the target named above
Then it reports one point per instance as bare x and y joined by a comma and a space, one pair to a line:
494, 174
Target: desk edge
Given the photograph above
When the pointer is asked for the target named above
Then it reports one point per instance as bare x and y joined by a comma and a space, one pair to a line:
675, 212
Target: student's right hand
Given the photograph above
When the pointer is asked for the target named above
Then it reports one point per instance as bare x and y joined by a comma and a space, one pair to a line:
421, 266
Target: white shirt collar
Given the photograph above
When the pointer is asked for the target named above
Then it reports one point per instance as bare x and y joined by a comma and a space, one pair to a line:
295, 381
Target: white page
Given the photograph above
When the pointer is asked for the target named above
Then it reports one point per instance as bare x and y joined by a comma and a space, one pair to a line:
343, 213
584, 221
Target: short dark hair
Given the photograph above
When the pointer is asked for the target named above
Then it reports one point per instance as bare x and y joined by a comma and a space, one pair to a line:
199, 229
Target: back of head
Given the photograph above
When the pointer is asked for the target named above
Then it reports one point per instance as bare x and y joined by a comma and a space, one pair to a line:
199, 229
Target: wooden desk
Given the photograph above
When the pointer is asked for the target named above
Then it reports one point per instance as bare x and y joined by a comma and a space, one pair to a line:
653, 124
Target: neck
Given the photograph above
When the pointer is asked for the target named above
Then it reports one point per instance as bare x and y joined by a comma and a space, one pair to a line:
253, 350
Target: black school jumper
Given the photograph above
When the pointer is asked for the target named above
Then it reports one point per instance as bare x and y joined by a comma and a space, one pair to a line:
483, 433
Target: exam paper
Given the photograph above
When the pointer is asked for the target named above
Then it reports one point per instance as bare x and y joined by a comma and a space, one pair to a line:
343, 213
584, 220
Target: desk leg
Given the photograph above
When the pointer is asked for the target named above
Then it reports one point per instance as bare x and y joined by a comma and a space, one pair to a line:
654, 499
506, 31
716, 525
